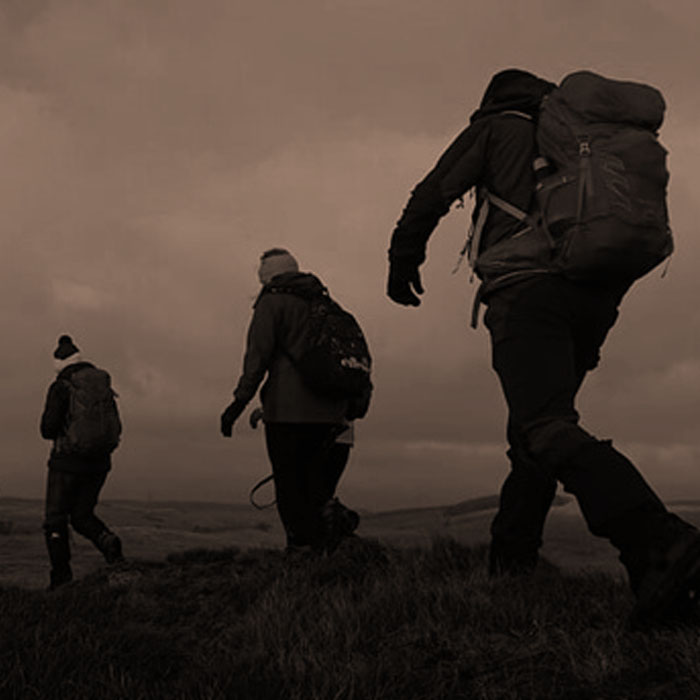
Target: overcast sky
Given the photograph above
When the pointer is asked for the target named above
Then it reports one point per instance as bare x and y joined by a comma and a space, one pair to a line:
152, 150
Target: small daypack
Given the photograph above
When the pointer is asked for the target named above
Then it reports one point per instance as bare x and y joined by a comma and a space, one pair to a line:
335, 361
602, 214
93, 426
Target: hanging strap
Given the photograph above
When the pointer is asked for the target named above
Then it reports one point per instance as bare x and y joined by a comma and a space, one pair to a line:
334, 431
471, 245
260, 484
477, 229
585, 181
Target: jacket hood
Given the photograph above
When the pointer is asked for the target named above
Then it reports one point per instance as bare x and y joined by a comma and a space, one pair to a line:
513, 89
302, 283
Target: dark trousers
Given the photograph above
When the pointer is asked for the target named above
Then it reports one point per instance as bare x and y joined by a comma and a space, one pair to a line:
307, 465
71, 498
546, 335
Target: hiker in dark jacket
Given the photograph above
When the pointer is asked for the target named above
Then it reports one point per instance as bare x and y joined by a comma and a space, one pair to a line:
74, 479
546, 334
300, 426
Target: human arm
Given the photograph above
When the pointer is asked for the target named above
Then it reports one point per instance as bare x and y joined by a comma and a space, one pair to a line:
260, 350
457, 170
55, 410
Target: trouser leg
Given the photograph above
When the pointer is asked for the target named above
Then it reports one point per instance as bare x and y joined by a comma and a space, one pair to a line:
544, 341
297, 452
336, 462
82, 515
605, 483
339, 521
516, 530
282, 451
57, 506
86, 523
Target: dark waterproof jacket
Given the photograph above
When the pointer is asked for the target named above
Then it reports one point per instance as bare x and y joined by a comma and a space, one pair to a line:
277, 330
53, 422
495, 151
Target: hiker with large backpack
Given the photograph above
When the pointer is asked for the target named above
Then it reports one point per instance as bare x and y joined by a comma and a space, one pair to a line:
315, 364
570, 210
82, 419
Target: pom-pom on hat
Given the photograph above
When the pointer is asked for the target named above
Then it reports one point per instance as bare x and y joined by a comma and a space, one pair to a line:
276, 261
65, 348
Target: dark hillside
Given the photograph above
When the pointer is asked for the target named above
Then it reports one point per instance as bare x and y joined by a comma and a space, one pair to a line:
372, 622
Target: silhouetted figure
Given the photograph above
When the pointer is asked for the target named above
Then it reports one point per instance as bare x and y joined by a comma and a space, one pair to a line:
82, 419
301, 424
546, 332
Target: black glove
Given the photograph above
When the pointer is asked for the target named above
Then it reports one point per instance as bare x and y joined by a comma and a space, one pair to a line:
255, 417
229, 416
404, 280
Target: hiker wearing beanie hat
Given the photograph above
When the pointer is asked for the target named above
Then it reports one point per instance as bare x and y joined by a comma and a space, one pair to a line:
80, 457
548, 318
301, 424
66, 353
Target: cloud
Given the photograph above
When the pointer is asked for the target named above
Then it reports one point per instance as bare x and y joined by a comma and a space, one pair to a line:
76, 295
149, 156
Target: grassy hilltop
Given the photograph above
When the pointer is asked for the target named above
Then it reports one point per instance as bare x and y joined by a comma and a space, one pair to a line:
372, 622
406, 611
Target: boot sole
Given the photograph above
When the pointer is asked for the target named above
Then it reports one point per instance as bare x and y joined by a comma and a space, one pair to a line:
682, 578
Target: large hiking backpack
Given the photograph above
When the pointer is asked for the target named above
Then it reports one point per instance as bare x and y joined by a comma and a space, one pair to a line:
335, 361
92, 426
601, 215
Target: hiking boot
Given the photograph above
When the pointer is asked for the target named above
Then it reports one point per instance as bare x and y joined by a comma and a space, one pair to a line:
668, 584
339, 522
507, 561
59, 556
111, 547
300, 552
60, 577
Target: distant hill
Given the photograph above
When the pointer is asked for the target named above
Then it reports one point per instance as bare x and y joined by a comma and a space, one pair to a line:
154, 530
469, 506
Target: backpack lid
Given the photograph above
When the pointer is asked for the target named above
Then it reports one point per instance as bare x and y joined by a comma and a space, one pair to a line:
598, 99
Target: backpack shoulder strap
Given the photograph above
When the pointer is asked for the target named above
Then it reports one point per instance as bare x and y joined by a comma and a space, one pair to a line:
507, 207
472, 245
517, 113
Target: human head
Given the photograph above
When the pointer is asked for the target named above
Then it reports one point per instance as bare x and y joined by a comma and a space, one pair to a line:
66, 353
276, 261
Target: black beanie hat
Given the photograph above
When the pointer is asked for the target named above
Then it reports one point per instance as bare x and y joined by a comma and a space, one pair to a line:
65, 348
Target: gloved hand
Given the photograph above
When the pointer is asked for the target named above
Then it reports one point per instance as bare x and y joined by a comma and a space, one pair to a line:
229, 417
404, 280
255, 417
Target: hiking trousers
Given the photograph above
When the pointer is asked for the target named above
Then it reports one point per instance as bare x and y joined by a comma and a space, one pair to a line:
71, 498
307, 465
546, 336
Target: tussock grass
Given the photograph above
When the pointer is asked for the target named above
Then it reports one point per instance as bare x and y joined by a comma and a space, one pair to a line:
369, 623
